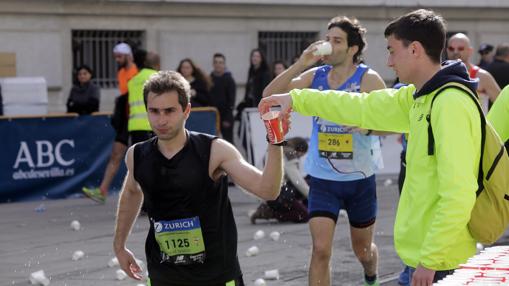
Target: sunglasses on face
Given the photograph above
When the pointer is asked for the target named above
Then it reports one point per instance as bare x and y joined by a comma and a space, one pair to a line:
459, 49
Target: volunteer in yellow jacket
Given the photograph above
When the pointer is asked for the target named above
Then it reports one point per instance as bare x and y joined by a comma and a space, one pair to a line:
499, 116
430, 233
138, 125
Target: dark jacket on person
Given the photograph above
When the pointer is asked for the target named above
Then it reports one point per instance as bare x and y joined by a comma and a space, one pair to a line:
1, 102
256, 82
202, 97
83, 99
499, 69
223, 95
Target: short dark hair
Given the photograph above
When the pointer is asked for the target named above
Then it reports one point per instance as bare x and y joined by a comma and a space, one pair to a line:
502, 50
354, 31
166, 81
219, 55
87, 68
423, 26
299, 144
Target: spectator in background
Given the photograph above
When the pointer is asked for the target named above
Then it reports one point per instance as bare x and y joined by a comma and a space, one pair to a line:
199, 81
1, 102
138, 124
278, 66
499, 68
257, 79
84, 95
223, 94
459, 48
127, 69
486, 53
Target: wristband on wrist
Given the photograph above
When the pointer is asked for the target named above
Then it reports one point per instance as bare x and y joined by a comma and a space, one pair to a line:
283, 143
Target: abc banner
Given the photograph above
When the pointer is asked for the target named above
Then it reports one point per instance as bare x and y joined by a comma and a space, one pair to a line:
54, 157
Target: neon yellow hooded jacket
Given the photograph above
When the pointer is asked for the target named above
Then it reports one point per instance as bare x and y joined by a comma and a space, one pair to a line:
439, 191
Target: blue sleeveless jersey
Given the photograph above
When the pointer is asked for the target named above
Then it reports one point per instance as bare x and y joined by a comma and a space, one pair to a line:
336, 152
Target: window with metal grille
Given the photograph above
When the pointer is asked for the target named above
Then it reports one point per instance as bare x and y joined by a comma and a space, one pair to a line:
284, 46
95, 49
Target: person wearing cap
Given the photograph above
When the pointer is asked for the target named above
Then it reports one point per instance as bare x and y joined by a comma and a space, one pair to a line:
499, 68
127, 70
459, 48
342, 159
486, 53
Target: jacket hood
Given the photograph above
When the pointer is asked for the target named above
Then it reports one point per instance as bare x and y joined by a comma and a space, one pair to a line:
452, 71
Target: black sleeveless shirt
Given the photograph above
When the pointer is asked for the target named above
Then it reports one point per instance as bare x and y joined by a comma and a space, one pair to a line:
182, 188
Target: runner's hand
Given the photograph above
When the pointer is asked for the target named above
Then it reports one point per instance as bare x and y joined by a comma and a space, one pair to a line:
284, 100
128, 264
307, 58
423, 276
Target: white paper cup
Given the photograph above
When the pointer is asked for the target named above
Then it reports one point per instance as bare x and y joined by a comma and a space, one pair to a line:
323, 49
39, 278
272, 274
77, 255
113, 262
121, 275
75, 225
252, 251
275, 235
259, 234
260, 282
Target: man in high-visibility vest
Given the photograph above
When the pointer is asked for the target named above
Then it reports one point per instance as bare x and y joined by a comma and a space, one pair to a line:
138, 125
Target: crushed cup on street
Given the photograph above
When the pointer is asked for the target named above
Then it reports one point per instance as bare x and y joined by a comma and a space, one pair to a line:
39, 278
113, 262
272, 274
479, 247
75, 225
77, 255
252, 251
275, 235
274, 127
260, 282
121, 275
323, 49
259, 234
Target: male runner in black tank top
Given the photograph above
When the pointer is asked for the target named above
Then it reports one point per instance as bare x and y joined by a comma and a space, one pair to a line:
181, 176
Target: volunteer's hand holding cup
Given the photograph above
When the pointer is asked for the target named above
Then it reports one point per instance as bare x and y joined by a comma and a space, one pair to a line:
277, 122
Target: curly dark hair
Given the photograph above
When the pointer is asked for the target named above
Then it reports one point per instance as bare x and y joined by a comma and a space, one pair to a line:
354, 31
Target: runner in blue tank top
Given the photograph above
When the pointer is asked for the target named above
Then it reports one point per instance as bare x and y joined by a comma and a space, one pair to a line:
341, 160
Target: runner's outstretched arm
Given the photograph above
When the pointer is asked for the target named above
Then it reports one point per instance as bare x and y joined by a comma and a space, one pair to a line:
129, 205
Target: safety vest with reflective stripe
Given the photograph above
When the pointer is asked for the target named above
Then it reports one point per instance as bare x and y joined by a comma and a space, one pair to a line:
138, 120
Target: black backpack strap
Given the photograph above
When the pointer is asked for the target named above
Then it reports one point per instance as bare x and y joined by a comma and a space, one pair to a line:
431, 139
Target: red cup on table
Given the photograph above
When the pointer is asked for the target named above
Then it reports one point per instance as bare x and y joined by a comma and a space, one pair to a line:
274, 127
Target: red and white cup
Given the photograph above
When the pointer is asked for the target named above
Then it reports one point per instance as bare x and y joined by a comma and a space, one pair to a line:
274, 127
